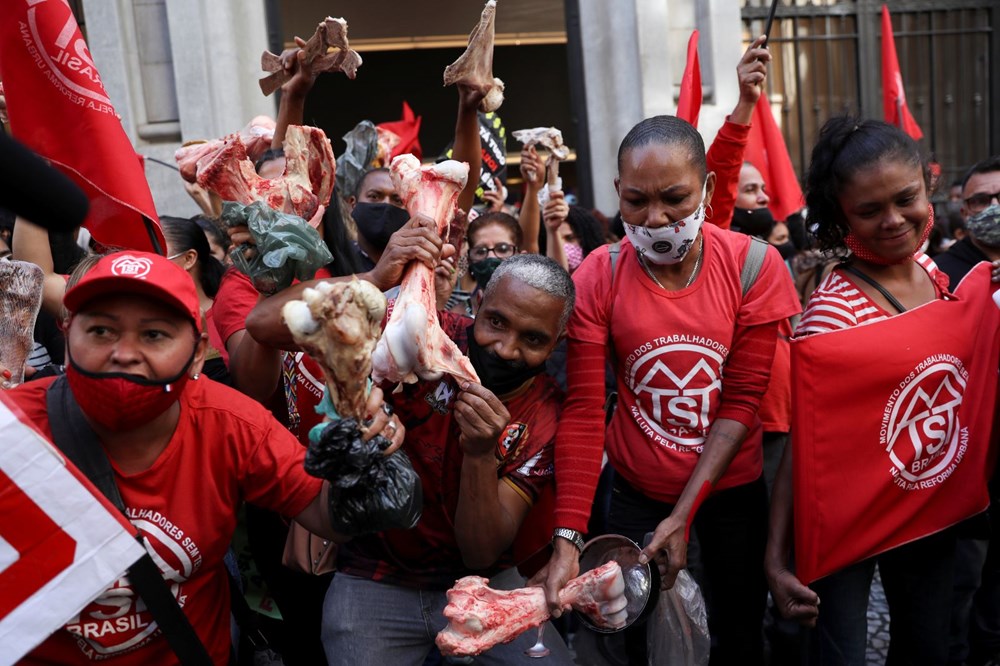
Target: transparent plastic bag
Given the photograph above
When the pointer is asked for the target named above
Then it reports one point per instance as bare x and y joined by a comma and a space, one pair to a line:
677, 631
287, 248
357, 158
20, 300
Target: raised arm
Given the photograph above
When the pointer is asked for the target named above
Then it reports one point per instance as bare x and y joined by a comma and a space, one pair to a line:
533, 173
468, 147
31, 243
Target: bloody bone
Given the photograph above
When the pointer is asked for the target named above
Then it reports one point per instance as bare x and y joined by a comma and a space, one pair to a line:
413, 346
480, 617
550, 138
256, 138
327, 51
475, 67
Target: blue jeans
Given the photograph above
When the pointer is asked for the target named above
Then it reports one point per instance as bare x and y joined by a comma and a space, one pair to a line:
917, 578
366, 623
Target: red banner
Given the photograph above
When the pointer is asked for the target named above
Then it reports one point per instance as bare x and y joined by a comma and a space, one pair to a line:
689, 101
58, 107
767, 151
891, 428
893, 98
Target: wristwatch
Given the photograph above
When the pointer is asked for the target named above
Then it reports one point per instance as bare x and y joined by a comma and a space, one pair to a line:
572, 536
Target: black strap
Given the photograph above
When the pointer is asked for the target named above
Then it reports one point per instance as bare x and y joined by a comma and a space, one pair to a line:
882, 290
74, 437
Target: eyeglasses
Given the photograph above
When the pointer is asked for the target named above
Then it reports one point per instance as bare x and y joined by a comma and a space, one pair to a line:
978, 202
501, 250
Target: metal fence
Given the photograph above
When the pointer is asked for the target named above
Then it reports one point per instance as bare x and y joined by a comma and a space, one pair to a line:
827, 61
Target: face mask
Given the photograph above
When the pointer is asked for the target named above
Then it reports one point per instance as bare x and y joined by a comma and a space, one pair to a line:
499, 376
378, 222
862, 252
120, 401
757, 222
482, 271
786, 250
668, 244
574, 255
985, 226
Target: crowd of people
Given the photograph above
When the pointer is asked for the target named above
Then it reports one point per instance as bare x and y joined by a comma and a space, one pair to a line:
636, 380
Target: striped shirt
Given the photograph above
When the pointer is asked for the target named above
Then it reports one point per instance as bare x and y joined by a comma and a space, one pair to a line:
839, 303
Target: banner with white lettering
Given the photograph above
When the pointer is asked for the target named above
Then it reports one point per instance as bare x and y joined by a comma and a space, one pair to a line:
891, 428
61, 543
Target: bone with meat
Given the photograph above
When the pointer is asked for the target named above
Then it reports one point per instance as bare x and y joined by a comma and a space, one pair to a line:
480, 617
474, 68
413, 346
306, 183
326, 51
256, 138
551, 139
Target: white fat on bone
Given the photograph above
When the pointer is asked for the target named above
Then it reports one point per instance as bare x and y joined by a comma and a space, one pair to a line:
475, 67
480, 617
413, 346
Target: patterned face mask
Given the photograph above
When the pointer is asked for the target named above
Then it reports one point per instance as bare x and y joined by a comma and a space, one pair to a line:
985, 226
574, 255
670, 243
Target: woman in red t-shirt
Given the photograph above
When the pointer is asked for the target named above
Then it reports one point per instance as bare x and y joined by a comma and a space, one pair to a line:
692, 354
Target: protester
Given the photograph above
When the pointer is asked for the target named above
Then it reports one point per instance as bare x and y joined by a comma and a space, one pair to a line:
218, 242
491, 239
980, 212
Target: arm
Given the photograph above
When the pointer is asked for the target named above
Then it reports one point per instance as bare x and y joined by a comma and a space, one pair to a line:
291, 108
533, 173
32, 244
468, 147
556, 212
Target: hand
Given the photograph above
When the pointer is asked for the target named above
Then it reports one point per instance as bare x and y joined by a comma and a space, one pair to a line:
209, 202
996, 271
793, 600
668, 549
481, 419
300, 72
469, 97
556, 210
381, 421
445, 275
417, 240
563, 565
532, 169
752, 70
494, 198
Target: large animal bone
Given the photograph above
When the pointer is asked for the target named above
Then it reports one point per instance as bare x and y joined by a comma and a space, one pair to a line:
326, 51
480, 617
256, 138
475, 67
338, 324
413, 346
550, 138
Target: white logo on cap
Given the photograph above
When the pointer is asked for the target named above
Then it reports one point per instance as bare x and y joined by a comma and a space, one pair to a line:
133, 267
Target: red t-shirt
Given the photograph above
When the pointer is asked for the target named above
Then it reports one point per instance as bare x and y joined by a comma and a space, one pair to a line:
428, 555
226, 449
670, 349
776, 405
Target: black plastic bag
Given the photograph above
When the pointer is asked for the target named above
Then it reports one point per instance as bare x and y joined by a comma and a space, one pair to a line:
369, 491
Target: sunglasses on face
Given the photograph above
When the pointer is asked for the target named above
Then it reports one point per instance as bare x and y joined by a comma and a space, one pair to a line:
501, 250
981, 200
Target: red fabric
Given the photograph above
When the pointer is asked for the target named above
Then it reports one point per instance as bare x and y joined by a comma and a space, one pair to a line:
776, 405
428, 555
408, 131
725, 158
673, 356
891, 440
893, 96
59, 108
227, 449
689, 101
767, 151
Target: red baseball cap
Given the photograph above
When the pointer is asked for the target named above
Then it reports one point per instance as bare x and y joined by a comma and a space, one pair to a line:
141, 273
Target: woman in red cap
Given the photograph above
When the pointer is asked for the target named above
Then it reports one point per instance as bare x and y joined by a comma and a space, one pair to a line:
186, 452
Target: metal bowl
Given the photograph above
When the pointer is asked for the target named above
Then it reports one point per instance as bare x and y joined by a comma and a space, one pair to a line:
642, 581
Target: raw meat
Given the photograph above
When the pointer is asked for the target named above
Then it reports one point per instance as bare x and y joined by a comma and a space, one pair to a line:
475, 67
338, 324
306, 183
480, 617
256, 138
20, 300
413, 346
327, 50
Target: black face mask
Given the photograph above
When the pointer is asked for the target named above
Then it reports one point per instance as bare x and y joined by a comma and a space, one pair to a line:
756, 222
378, 222
499, 376
786, 250
482, 271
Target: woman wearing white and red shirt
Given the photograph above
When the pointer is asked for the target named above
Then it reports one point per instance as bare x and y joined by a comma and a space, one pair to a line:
692, 355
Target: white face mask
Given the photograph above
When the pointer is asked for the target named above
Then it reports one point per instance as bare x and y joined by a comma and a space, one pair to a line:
670, 243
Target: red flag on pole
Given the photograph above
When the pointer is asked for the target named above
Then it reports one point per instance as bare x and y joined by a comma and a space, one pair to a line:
900, 450
893, 98
689, 101
59, 108
766, 150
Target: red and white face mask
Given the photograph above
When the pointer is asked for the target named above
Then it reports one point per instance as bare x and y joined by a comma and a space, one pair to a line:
859, 250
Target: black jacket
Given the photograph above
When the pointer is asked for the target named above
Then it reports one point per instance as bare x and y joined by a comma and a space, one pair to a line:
959, 260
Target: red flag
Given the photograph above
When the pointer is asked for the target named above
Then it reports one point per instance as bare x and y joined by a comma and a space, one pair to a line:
408, 130
889, 448
59, 108
766, 150
893, 98
689, 101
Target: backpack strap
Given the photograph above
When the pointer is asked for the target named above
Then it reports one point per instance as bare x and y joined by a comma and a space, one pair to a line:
613, 251
753, 263
76, 439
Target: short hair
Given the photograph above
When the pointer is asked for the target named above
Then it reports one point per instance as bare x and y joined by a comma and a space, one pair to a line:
364, 177
846, 145
989, 165
541, 273
666, 131
502, 219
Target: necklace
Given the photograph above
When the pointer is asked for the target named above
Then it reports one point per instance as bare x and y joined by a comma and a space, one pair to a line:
694, 271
